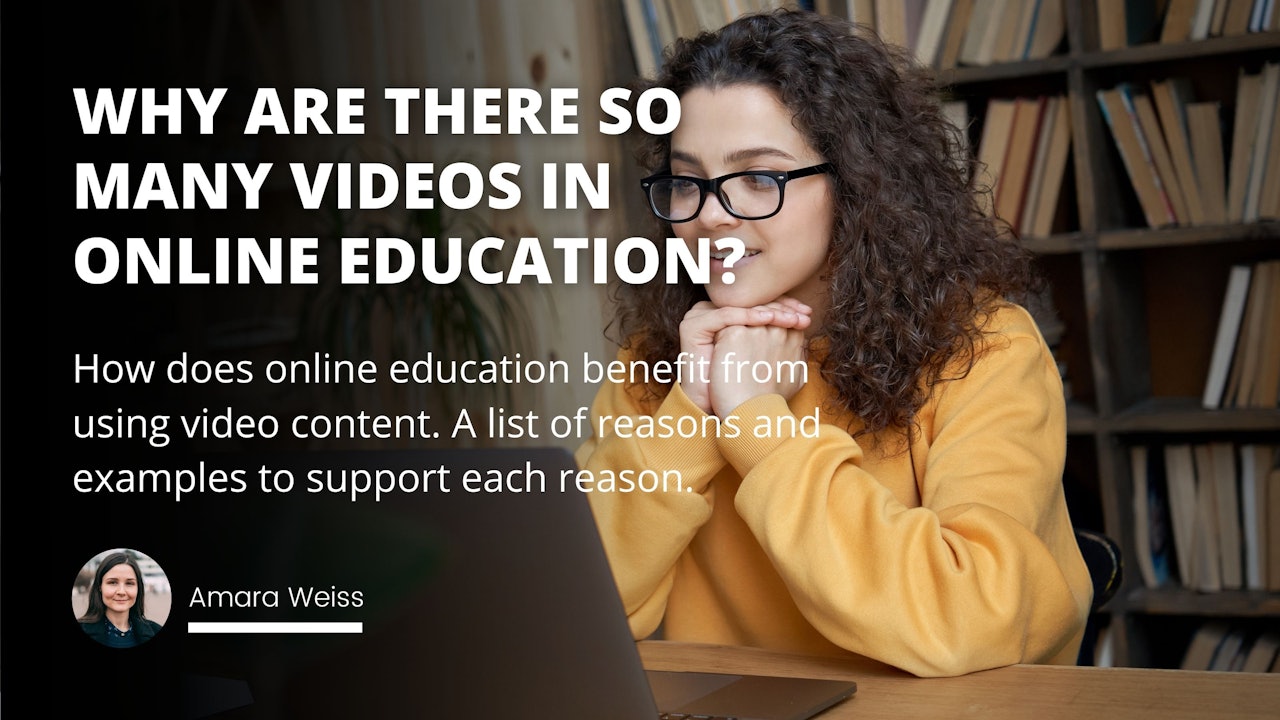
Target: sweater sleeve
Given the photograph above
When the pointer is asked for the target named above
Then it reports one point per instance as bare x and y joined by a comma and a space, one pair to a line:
644, 533
984, 573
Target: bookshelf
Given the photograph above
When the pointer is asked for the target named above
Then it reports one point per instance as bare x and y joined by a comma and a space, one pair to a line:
1146, 301
1140, 304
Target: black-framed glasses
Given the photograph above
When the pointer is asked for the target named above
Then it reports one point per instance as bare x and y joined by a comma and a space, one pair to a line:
749, 195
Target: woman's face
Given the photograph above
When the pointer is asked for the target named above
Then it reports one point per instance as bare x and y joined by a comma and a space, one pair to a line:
745, 127
119, 588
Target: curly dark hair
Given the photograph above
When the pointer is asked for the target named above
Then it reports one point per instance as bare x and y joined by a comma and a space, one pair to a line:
914, 267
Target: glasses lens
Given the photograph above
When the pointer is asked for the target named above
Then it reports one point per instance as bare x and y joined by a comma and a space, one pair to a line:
752, 196
674, 199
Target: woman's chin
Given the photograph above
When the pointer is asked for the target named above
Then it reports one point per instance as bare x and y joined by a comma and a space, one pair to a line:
723, 295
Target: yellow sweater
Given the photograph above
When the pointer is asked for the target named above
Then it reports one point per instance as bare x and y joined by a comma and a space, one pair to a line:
953, 557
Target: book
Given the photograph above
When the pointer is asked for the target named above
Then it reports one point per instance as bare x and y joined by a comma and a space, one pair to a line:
665, 22
1048, 30
1206, 558
862, 11
1104, 652
1224, 344
1151, 517
891, 21
1010, 37
1035, 178
1262, 653
1226, 486
913, 15
1245, 133
1257, 20
954, 34
1177, 21
1159, 149
1054, 169
1269, 205
1019, 157
1111, 24
1123, 123
1171, 97
1202, 20
1266, 382
1262, 139
1273, 522
932, 25
1255, 460
1204, 124
643, 31
684, 17
1204, 645
1142, 514
992, 147
1236, 21
711, 14
1227, 657
1180, 477
1249, 343
1219, 17
984, 27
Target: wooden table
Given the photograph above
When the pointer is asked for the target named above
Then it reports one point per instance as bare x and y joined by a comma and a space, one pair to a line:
1035, 692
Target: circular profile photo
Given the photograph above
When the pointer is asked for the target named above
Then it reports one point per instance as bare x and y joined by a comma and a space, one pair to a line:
121, 598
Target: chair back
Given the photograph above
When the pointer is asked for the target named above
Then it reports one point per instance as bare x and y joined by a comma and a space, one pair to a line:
1106, 566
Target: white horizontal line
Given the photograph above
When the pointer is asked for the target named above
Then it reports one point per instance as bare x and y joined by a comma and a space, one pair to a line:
268, 628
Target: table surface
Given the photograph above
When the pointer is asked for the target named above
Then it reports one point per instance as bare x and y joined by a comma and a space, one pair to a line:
1040, 692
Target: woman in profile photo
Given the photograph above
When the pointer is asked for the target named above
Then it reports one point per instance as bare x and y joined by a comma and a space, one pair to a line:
116, 616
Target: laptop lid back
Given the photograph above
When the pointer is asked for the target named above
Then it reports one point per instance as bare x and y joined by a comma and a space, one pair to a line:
490, 604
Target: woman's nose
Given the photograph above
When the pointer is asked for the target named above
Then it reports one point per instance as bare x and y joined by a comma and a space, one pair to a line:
714, 213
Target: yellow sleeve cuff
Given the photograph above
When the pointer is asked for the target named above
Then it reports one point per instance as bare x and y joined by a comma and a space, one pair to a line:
757, 416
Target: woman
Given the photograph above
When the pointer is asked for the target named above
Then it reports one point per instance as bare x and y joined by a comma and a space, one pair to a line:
902, 499
116, 614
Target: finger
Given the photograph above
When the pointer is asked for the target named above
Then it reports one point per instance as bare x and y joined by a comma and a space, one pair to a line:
786, 316
791, 304
720, 318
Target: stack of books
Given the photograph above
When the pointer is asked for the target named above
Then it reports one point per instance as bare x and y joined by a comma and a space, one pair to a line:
1217, 645
655, 24
1022, 158
940, 33
1173, 152
948, 33
1244, 369
1132, 22
1207, 515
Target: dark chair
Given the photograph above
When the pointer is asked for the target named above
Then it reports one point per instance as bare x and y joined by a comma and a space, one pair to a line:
1106, 566
1106, 569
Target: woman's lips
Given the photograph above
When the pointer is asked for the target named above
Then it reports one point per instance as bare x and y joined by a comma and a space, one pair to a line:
718, 258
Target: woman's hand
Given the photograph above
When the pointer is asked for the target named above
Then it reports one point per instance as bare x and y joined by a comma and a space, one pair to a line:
698, 333
704, 322
748, 362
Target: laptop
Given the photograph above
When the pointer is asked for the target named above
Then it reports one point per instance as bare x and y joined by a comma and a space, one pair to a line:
496, 604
